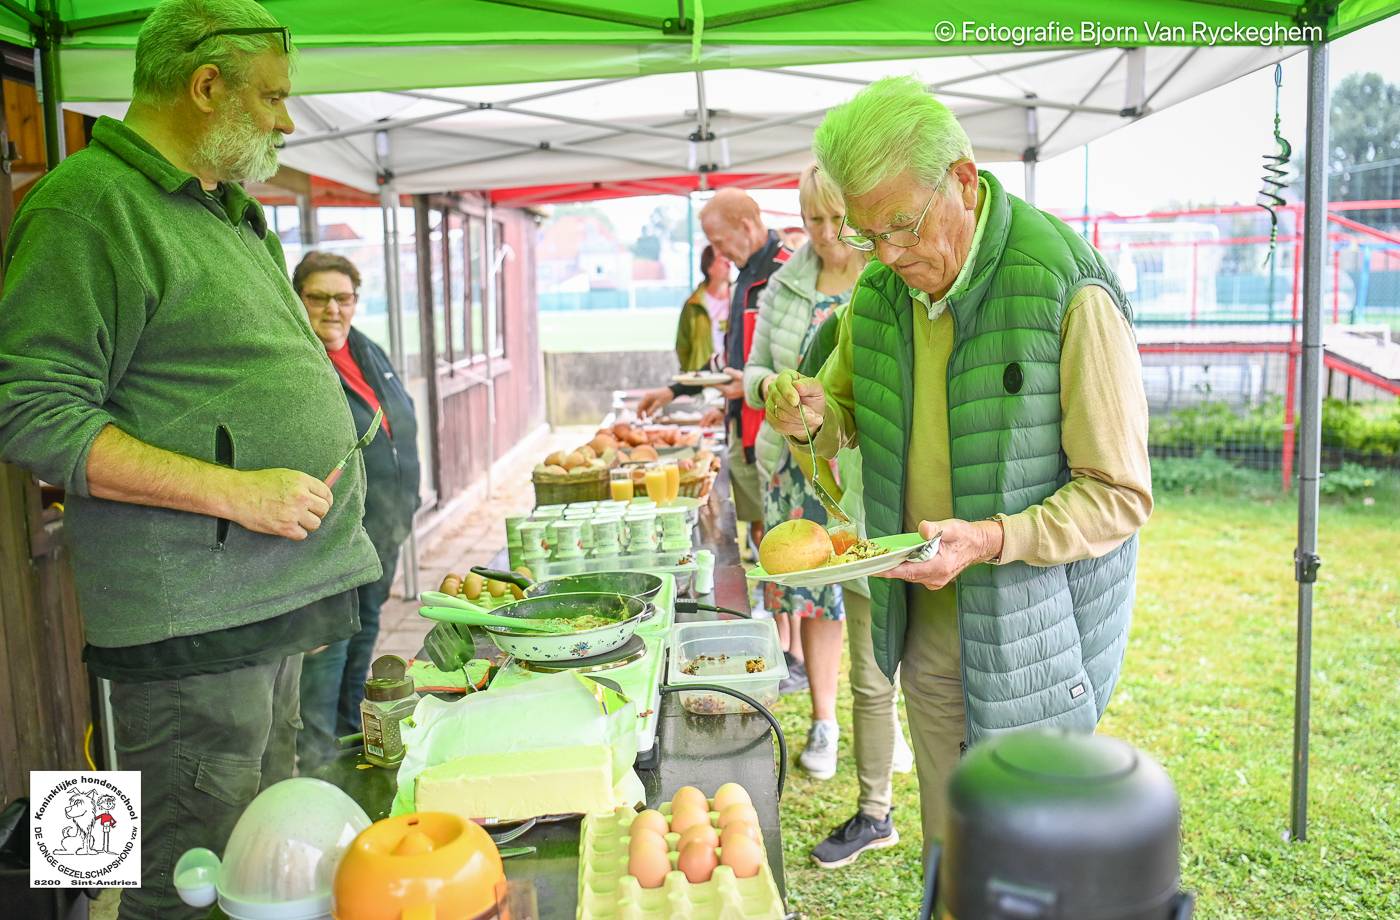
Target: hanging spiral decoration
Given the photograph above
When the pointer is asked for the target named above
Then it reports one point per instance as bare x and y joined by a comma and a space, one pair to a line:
1275, 175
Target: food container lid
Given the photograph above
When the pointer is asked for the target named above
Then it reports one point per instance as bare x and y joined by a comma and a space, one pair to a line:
388, 680
281, 858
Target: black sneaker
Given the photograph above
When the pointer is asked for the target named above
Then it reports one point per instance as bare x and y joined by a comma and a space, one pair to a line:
796, 681
853, 838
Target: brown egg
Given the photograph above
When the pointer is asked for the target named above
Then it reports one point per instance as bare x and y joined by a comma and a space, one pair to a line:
739, 829
649, 867
689, 795
651, 820
702, 832
739, 812
645, 841
698, 862
731, 794
743, 856
472, 585
687, 816
496, 588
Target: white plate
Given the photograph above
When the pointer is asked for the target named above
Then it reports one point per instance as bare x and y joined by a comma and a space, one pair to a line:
900, 547
702, 379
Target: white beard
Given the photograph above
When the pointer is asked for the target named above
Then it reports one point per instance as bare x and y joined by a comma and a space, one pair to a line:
235, 150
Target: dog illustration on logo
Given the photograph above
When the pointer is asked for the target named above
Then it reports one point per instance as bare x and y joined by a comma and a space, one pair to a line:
83, 811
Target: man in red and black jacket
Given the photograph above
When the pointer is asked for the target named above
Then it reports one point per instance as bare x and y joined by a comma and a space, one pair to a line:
734, 226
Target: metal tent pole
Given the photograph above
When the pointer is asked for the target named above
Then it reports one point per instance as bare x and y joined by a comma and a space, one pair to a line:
1032, 152
47, 84
488, 331
389, 214
1305, 556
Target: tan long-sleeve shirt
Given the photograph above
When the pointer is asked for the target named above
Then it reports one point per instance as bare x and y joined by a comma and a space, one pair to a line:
1103, 432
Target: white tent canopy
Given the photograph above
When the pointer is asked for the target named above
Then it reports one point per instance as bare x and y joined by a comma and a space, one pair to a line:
1025, 105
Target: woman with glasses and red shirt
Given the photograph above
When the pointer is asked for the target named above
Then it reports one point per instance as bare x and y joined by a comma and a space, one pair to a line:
332, 679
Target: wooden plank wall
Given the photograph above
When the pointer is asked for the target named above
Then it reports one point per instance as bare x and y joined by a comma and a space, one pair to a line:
463, 439
44, 700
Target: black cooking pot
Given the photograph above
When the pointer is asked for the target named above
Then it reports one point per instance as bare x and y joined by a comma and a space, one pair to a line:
1045, 824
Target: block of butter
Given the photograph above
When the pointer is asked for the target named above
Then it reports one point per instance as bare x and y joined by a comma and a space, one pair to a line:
513, 785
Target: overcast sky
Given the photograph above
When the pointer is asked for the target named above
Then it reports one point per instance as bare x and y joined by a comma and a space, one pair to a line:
1206, 150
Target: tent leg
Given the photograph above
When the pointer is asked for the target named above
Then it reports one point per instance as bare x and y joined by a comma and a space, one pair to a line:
488, 331
1306, 559
50, 97
389, 210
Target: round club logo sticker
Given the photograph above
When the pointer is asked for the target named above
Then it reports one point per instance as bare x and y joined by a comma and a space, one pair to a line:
85, 828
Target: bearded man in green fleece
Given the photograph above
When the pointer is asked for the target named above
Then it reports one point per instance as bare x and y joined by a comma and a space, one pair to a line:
155, 361
988, 371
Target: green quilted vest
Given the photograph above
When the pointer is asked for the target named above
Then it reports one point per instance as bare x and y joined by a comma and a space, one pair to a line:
1040, 646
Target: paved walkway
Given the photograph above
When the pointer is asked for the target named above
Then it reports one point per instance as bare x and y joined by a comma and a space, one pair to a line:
472, 537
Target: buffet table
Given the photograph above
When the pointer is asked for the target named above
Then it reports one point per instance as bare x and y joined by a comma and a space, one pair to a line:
696, 750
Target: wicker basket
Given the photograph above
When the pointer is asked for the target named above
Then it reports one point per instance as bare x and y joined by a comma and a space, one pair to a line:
699, 488
553, 489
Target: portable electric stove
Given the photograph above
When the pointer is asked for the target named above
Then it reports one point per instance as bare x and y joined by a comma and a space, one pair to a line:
635, 669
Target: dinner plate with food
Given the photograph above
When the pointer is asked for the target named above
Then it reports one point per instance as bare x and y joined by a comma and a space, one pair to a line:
803, 554
703, 379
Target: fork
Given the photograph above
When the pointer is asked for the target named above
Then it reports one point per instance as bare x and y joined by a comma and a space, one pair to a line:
823, 496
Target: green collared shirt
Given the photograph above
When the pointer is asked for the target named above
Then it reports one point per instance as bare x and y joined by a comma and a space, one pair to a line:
935, 307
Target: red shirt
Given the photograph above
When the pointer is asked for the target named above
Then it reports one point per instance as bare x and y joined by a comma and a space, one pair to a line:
350, 372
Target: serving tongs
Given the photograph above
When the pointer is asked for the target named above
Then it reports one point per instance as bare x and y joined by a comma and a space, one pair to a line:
829, 503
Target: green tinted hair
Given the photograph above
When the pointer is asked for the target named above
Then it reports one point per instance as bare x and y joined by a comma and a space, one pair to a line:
892, 126
164, 60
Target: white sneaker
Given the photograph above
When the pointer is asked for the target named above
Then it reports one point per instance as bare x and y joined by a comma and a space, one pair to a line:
819, 758
903, 761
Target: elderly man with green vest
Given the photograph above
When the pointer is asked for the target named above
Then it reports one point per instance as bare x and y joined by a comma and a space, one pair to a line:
988, 371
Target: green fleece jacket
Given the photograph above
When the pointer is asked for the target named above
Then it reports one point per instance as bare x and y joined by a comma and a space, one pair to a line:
133, 298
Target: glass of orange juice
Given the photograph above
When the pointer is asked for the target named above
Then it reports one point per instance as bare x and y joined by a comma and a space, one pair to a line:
673, 482
620, 484
656, 483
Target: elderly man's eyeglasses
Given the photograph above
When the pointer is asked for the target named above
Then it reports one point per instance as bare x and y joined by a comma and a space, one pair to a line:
262, 30
904, 237
320, 301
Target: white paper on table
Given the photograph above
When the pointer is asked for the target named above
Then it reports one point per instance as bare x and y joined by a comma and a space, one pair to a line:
550, 711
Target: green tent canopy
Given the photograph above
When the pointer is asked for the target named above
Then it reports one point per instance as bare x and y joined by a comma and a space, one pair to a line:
351, 47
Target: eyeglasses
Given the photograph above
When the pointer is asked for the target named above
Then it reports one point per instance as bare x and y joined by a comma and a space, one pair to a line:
262, 30
320, 301
904, 237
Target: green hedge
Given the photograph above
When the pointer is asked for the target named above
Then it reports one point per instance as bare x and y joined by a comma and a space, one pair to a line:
1369, 430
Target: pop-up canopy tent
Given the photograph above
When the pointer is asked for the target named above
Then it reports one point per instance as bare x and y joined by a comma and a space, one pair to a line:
85, 54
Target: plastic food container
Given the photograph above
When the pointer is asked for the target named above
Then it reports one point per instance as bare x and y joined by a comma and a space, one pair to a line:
281, 858
741, 654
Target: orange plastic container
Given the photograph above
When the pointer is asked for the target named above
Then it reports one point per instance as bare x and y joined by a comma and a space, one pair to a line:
421, 866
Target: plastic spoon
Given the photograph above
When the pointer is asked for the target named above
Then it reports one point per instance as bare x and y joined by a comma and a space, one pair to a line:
451, 609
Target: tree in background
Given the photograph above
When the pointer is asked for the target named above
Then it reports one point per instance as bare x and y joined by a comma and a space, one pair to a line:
1364, 159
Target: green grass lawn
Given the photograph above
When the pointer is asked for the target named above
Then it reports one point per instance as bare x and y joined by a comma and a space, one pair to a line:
1207, 690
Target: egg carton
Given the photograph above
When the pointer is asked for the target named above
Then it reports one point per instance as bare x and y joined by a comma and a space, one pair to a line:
607, 892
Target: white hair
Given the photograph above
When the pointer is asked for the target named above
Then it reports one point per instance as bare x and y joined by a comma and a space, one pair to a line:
167, 53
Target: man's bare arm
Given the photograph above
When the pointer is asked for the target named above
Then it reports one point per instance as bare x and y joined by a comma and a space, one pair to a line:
280, 502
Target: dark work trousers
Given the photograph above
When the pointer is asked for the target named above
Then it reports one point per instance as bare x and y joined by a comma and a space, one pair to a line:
206, 746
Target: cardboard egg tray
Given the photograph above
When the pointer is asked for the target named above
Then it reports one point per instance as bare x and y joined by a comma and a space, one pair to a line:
607, 892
